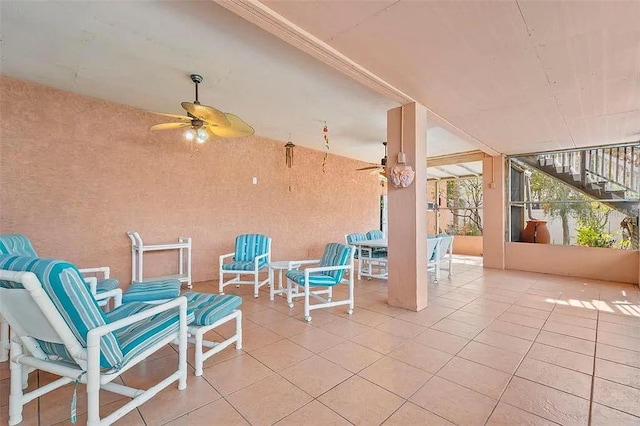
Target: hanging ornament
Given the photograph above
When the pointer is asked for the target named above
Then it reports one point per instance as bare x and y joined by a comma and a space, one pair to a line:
289, 152
401, 175
325, 131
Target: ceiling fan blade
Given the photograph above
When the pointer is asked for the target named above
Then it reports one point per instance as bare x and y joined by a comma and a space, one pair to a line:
176, 116
375, 172
237, 129
207, 114
369, 168
169, 126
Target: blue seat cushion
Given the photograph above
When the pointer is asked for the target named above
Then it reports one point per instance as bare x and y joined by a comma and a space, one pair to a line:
107, 285
149, 291
17, 245
246, 265
135, 337
315, 278
209, 308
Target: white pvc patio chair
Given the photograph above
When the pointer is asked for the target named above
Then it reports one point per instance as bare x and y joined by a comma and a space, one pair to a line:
57, 326
336, 260
251, 256
433, 259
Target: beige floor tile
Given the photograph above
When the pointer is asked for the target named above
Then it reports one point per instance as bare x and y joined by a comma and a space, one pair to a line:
423, 357
619, 340
480, 378
351, 356
316, 339
515, 330
632, 321
619, 373
411, 414
557, 377
281, 354
570, 330
265, 316
573, 320
172, 403
503, 341
529, 312
614, 395
289, 327
395, 376
447, 303
345, 328
536, 302
470, 318
622, 356
257, 337
605, 416
552, 404
562, 357
490, 356
576, 311
316, 375
400, 328
361, 402
522, 320
269, 400
440, 340
428, 316
378, 340
313, 414
625, 330
454, 402
366, 317
132, 418
219, 412
234, 374
468, 331
485, 307
574, 344
508, 415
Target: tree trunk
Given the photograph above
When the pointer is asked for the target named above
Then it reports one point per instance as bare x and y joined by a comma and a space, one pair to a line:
566, 237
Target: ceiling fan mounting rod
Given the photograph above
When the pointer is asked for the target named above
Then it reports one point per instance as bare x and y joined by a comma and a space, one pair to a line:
197, 79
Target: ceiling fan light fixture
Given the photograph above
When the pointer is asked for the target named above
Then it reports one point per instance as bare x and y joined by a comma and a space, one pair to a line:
201, 135
190, 134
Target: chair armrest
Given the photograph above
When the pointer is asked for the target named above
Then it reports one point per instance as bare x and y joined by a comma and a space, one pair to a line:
298, 263
94, 334
92, 282
105, 270
327, 268
115, 293
260, 256
226, 256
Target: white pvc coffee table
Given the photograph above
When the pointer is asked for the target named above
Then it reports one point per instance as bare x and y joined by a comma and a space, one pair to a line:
280, 266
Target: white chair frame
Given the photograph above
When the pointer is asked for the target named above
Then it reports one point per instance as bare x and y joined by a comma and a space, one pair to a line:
255, 272
32, 314
308, 293
196, 336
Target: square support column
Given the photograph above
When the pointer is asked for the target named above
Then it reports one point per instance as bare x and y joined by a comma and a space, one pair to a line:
494, 207
407, 211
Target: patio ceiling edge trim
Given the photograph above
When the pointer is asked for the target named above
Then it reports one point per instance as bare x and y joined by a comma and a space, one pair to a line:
450, 159
274, 23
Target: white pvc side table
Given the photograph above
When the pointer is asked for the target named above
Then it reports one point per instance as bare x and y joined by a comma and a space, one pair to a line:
280, 266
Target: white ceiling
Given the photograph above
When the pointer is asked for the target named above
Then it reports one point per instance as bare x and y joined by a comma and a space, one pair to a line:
140, 53
520, 76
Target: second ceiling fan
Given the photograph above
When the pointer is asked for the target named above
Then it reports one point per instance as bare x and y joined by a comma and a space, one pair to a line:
378, 169
203, 121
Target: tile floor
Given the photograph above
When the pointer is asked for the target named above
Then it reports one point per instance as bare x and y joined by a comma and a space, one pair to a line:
493, 347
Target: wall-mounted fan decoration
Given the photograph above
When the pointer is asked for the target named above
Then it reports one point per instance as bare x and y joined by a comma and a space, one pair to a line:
203, 121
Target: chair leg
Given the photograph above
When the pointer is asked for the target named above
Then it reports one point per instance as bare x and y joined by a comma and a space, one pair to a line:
289, 293
4, 340
307, 317
239, 330
255, 285
198, 357
15, 397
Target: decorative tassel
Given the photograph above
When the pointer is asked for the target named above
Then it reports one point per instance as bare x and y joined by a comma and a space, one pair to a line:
289, 153
325, 131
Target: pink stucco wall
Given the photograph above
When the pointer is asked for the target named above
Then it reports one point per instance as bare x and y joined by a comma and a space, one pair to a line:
77, 172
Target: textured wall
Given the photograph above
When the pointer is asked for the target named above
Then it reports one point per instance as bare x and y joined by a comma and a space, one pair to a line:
77, 172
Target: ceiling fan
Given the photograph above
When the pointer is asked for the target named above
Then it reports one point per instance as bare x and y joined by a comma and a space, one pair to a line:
203, 121
378, 169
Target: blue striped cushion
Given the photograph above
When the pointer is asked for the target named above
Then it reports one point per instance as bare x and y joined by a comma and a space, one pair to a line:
249, 246
209, 308
17, 245
336, 254
315, 278
67, 290
354, 238
107, 285
375, 234
247, 265
139, 336
149, 291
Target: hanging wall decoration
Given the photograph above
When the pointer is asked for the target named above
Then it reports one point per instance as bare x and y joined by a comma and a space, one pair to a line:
401, 175
289, 152
325, 131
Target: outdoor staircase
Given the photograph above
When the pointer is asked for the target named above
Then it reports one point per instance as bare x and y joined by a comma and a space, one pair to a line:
610, 175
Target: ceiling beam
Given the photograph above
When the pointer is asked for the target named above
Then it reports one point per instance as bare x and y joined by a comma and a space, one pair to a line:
463, 157
276, 24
